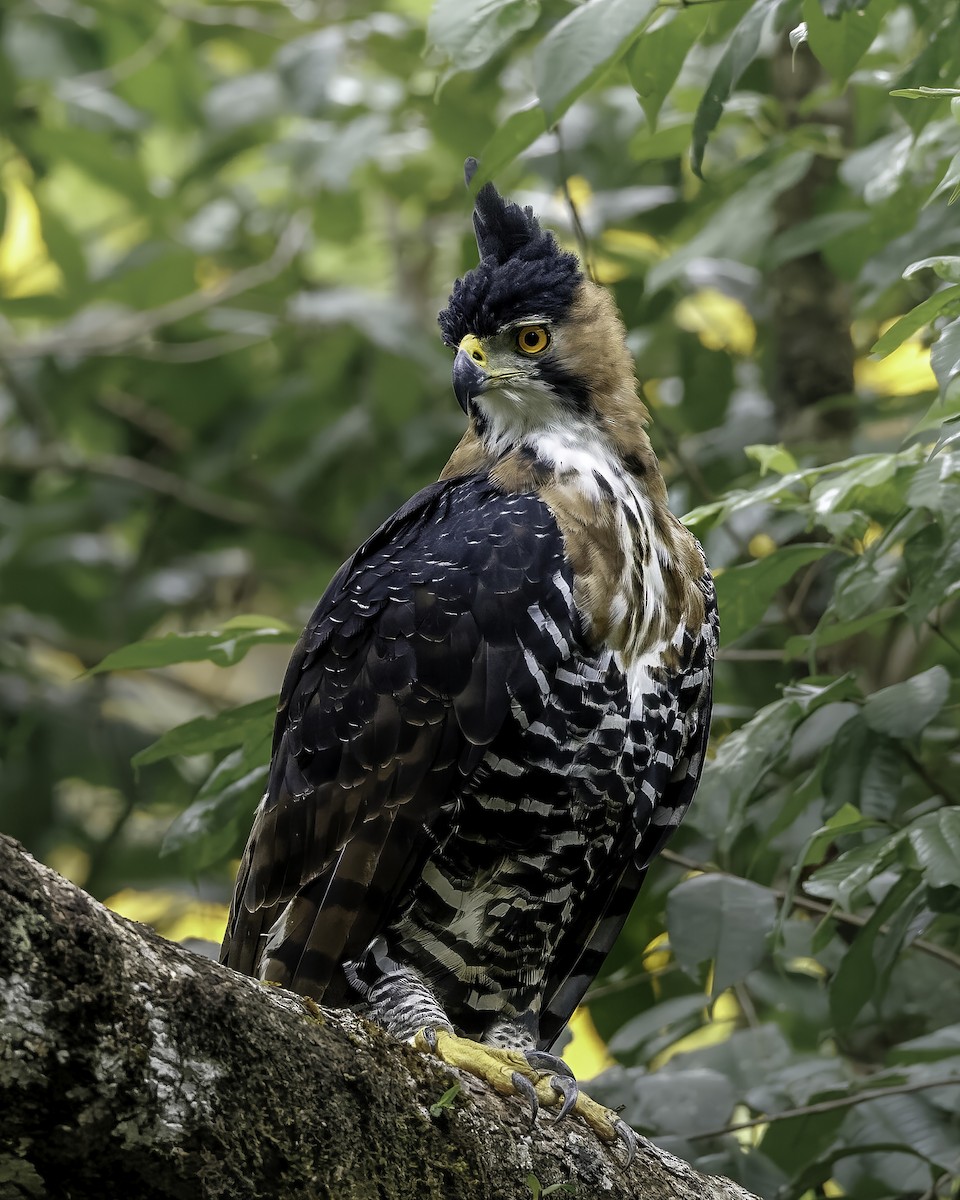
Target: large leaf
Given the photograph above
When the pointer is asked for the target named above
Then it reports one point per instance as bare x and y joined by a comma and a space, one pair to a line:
206, 734
578, 49
738, 55
655, 61
468, 35
841, 42
935, 839
744, 593
859, 977
208, 831
225, 646
863, 770
915, 320
945, 355
721, 920
517, 132
901, 711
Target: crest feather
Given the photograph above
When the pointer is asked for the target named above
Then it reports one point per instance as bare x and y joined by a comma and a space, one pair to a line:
522, 271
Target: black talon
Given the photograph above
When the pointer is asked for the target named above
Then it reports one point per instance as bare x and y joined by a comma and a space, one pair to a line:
569, 1089
430, 1037
629, 1139
540, 1060
528, 1091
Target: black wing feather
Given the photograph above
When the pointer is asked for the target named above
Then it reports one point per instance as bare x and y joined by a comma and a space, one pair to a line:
398, 685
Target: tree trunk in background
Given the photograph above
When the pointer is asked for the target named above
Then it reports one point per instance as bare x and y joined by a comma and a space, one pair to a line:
814, 352
131, 1067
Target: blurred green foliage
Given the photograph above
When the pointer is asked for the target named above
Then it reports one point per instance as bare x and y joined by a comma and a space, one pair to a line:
226, 229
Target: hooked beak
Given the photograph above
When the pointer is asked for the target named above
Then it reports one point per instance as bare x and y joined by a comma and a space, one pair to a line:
469, 379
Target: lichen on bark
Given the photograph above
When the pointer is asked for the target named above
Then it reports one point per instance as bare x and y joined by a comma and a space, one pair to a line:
129, 1066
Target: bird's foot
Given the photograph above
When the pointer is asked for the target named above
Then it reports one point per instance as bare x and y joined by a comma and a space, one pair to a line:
542, 1079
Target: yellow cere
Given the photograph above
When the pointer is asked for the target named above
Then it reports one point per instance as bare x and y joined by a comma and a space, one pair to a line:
471, 345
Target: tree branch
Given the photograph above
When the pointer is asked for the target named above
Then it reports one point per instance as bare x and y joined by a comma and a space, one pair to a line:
129, 1066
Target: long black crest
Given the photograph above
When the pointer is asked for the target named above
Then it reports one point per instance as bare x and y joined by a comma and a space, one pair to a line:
522, 271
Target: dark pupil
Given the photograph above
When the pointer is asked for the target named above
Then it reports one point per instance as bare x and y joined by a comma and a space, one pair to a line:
531, 338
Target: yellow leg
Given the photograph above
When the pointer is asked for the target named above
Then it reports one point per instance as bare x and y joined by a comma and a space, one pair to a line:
506, 1070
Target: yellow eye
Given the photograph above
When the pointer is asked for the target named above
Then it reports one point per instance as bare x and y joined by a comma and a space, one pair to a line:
532, 339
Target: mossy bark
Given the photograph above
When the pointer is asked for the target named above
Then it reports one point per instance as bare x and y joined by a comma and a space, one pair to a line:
131, 1067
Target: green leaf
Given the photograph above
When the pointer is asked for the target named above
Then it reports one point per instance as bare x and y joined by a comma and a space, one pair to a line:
655, 61
740, 52
680, 1102
903, 710
738, 767
862, 769
771, 458
207, 832
942, 1043
921, 93
226, 646
678, 1017
578, 49
206, 734
723, 920
840, 42
517, 132
744, 593
947, 266
843, 878
945, 355
446, 1100
828, 633
915, 320
469, 35
846, 820
810, 235
935, 839
856, 979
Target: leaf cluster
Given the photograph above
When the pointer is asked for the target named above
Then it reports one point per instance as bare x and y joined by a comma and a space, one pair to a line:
225, 231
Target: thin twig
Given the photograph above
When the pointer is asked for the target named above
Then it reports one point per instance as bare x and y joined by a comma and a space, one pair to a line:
75, 86
621, 985
129, 329
578, 229
142, 474
821, 1106
816, 906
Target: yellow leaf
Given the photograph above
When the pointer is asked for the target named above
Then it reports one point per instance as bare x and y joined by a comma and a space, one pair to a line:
174, 916
720, 322
26, 268
904, 372
586, 1053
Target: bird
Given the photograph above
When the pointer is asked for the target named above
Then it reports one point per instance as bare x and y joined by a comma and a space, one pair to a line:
498, 713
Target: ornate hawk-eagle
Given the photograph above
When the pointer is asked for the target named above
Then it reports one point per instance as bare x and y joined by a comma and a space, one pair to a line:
497, 714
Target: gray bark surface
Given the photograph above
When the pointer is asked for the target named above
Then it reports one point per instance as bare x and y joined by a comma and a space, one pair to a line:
131, 1067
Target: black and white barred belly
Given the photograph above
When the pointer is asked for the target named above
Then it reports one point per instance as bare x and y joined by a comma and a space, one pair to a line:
463, 793
571, 793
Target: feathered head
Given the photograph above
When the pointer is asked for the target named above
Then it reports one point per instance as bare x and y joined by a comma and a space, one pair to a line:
522, 271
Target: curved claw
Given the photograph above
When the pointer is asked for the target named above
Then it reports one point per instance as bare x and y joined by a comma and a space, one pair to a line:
540, 1060
429, 1035
569, 1089
529, 1093
626, 1135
